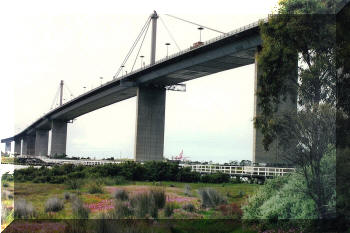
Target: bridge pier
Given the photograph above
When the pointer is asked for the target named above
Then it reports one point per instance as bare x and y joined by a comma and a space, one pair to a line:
28, 146
150, 120
290, 104
8, 147
17, 146
58, 137
41, 142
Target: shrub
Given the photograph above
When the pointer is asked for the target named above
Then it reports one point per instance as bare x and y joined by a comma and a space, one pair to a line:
121, 194
241, 193
231, 210
169, 209
23, 209
187, 190
67, 196
189, 207
122, 210
95, 187
159, 197
74, 183
144, 204
54, 204
210, 197
6, 195
120, 180
5, 185
79, 211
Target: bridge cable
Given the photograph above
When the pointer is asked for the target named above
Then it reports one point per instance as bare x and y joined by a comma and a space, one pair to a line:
195, 24
132, 47
138, 52
66, 86
178, 47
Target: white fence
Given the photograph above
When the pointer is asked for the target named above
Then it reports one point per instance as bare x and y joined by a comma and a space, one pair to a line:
240, 170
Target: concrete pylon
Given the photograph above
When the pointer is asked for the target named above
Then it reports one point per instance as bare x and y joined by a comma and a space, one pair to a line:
8, 147
58, 137
41, 142
150, 120
17, 146
274, 155
31, 144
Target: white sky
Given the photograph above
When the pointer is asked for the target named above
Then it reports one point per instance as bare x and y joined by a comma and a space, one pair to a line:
43, 42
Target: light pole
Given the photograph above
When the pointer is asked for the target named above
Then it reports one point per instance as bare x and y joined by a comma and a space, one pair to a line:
141, 59
167, 48
84, 89
101, 80
200, 33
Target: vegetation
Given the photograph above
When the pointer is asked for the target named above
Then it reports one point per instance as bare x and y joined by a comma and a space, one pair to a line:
121, 195
79, 210
23, 209
54, 204
169, 209
95, 187
210, 197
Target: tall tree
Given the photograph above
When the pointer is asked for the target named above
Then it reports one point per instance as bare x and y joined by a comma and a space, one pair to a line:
305, 29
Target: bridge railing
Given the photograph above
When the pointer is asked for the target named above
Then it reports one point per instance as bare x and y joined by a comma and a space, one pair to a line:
236, 31
240, 170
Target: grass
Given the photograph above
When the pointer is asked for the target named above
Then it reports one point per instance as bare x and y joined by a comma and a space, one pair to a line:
35, 193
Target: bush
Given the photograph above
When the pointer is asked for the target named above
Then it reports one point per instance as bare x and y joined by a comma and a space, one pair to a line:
121, 194
79, 211
159, 197
5, 185
143, 205
189, 207
54, 204
210, 197
120, 180
74, 183
23, 209
67, 196
187, 190
169, 209
95, 187
231, 210
241, 193
122, 210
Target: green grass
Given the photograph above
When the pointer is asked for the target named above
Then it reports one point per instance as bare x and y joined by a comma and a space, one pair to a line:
37, 194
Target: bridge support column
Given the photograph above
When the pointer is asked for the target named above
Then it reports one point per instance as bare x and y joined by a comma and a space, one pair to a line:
150, 120
31, 145
58, 137
8, 147
17, 146
259, 153
41, 142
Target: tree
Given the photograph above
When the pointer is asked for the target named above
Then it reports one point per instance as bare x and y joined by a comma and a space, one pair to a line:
299, 32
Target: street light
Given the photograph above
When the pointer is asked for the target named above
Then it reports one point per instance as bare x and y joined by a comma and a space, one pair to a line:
84, 89
122, 69
101, 80
200, 33
141, 59
167, 48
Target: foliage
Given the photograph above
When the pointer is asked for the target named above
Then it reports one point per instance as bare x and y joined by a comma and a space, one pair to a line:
210, 197
187, 190
215, 178
189, 207
95, 187
23, 209
79, 211
231, 210
122, 210
54, 204
169, 209
144, 205
287, 197
67, 196
158, 194
121, 194
74, 183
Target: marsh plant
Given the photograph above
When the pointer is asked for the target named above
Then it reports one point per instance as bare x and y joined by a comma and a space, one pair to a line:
122, 210
189, 207
187, 190
144, 205
74, 183
54, 204
159, 197
169, 209
95, 187
121, 195
211, 198
79, 210
23, 209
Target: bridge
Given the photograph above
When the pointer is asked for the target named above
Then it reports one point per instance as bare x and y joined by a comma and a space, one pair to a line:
228, 51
